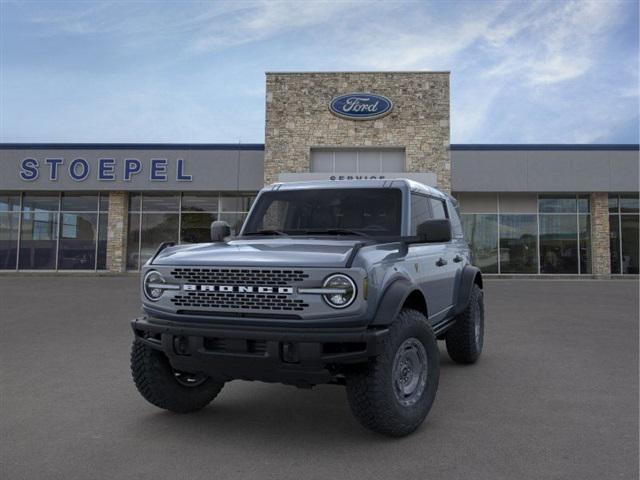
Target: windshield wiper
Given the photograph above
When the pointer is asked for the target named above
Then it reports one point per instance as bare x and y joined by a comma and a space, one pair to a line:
267, 232
335, 231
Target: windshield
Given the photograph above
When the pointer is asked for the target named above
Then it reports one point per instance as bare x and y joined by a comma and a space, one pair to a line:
331, 211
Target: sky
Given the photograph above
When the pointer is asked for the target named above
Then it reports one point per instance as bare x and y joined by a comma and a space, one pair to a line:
179, 71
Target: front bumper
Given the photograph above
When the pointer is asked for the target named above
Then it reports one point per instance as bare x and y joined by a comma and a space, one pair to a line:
299, 356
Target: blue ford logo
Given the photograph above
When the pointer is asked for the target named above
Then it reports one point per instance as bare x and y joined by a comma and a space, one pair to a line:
360, 106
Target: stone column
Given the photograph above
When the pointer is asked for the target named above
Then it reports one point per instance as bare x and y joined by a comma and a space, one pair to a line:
600, 251
117, 231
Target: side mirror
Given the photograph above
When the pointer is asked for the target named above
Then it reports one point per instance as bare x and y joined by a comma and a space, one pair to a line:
435, 231
219, 231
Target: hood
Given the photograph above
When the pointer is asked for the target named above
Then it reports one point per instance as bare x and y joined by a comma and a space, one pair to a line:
284, 252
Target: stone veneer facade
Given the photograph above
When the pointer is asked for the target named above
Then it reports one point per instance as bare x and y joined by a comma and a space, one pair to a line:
117, 231
298, 119
600, 246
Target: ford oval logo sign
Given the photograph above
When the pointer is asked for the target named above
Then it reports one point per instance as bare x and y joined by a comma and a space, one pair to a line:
360, 106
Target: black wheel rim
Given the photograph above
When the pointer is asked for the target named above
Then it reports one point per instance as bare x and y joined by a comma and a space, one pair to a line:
409, 374
189, 379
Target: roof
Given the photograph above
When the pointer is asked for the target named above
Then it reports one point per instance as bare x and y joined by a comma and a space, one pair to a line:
373, 183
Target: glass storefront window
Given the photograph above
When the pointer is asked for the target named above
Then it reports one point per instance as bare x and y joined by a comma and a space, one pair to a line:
583, 204
9, 224
558, 244
156, 229
9, 202
235, 203
135, 202
584, 236
40, 201
103, 227
79, 202
623, 233
133, 242
614, 242
565, 233
38, 240
481, 231
196, 227
53, 231
200, 202
78, 235
518, 244
629, 204
557, 204
182, 218
629, 241
159, 202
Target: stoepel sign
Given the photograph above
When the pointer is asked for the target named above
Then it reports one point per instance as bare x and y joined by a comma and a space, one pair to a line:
360, 106
106, 169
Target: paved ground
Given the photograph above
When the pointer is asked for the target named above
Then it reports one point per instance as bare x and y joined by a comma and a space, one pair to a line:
555, 395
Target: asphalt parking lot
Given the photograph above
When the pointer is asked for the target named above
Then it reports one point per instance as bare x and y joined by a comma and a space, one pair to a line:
555, 395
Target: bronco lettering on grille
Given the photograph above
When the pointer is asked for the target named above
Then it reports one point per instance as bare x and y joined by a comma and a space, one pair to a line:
237, 289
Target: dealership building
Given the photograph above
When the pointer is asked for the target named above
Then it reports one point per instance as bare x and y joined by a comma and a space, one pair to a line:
526, 209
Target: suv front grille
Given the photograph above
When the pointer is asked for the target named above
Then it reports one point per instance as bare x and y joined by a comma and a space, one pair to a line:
237, 276
239, 301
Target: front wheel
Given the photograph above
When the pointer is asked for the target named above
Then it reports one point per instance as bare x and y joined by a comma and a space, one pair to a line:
163, 386
393, 393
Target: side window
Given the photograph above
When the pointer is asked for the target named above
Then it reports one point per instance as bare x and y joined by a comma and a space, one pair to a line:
454, 216
420, 211
438, 208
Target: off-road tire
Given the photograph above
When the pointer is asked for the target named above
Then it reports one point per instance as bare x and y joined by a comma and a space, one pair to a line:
370, 388
156, 382
464, 342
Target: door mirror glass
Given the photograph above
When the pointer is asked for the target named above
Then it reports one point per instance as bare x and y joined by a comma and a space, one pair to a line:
434, 231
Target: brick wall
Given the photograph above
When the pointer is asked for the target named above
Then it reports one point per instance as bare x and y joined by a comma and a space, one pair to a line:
600, 249
298, 119
117, 231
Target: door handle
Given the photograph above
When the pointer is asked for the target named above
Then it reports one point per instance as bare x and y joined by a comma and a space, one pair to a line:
457, 259
441, 262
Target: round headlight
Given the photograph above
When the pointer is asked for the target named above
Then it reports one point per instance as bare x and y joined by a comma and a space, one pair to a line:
150, 285
344, 291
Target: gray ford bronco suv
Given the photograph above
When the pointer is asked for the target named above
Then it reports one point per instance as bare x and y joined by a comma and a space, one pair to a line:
348, 282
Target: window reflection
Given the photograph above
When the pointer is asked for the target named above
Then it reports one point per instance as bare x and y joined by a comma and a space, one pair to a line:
38, 238
623, 233
9, 222
77, 248
629, 237
196, 227
518, 244
156, 229
558, 244
155, 218
481, 231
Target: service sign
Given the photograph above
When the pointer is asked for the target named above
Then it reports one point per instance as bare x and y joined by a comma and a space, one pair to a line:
360, 106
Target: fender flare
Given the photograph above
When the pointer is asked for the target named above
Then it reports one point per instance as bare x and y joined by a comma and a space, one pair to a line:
392, 300
467, 280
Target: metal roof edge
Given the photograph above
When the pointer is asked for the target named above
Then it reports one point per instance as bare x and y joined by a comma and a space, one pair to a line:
132, 146
543, 146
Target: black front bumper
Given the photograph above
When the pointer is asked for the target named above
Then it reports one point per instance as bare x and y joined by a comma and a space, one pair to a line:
299, 356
